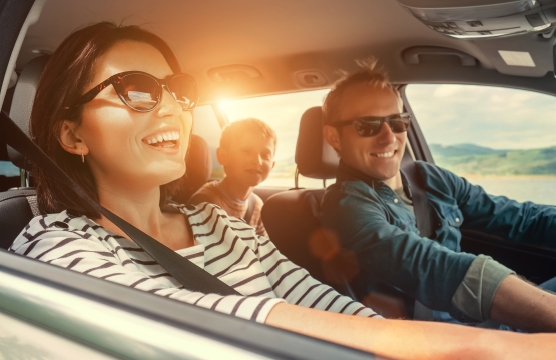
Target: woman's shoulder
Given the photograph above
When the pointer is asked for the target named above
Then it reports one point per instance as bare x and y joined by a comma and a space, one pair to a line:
209, 223
56, 226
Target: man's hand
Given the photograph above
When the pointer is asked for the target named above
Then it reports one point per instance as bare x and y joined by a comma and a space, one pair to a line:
522, 305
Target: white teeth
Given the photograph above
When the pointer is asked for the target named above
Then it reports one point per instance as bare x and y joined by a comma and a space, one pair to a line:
385, 155
165, 136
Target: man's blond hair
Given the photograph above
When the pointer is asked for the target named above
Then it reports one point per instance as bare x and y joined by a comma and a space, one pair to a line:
235, 129
369, 74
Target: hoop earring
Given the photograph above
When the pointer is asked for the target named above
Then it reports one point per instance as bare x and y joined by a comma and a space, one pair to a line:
82, 156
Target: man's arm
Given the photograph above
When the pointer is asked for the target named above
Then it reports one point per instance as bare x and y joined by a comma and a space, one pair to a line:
497, 215
524, 306
422, 268
403, 339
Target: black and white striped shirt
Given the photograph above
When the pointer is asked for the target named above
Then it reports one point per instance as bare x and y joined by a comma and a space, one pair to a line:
225, 247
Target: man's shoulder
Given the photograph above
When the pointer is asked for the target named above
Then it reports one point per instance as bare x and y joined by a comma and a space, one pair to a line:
348, 192
436, 176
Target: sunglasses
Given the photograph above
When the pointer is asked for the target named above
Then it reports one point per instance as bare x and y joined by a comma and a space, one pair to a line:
142, 92
370, 125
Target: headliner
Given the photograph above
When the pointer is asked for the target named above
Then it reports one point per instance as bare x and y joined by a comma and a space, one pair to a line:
280, 38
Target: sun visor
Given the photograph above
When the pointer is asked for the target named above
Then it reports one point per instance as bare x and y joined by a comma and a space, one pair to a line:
475, 19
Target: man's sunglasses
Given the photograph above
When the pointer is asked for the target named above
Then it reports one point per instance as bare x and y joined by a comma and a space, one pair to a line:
371, 125
143, 92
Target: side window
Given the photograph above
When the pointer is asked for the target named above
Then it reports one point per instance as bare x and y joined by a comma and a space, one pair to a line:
283, 113
206, 125
498, 138
8, 169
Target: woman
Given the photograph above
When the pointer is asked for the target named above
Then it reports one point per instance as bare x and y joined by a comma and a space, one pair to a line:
114, 111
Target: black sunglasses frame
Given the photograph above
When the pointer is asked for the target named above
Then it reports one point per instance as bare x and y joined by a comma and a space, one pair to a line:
115, 80
381, 119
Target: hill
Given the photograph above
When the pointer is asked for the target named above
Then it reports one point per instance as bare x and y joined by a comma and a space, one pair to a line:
473, 159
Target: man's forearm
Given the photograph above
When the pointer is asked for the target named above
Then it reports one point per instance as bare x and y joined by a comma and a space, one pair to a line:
524, 306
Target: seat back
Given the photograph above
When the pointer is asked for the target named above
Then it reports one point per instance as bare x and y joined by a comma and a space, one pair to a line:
198, 167
290, 217
18, 206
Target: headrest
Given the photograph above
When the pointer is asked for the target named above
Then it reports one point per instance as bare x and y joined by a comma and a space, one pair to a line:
22, 103
198, 163
315, 158
198, 167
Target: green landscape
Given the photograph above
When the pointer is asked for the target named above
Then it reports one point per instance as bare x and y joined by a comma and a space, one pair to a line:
470, 159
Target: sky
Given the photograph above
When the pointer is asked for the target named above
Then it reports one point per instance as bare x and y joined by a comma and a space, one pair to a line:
493, 117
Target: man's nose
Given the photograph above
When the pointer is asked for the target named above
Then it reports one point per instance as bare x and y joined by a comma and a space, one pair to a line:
386, 135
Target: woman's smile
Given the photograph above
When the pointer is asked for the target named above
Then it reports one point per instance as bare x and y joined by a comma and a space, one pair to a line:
165, 140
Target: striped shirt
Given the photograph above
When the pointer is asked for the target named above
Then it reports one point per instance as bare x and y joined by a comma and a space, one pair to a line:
225, 247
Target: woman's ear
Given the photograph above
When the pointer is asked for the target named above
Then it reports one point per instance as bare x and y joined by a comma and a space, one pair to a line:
69, 141
222, 156
332, 137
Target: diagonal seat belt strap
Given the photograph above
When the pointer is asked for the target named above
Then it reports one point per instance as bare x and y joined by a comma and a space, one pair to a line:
423, 218
191, 276
420, 200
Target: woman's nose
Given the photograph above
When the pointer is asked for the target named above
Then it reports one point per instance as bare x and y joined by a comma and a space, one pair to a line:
168, 104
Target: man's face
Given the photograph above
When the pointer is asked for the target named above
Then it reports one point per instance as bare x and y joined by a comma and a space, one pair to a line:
378, 156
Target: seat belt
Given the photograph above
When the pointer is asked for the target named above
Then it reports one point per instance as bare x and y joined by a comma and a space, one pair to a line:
250, 208
191, 276
423, 218
420, 200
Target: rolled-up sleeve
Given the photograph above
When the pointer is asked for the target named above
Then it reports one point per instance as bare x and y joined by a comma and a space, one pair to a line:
474, 295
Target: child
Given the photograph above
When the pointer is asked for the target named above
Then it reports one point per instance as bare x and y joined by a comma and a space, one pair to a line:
246, 152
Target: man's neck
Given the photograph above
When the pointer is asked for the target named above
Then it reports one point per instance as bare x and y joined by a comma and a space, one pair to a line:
394, 182
235, 190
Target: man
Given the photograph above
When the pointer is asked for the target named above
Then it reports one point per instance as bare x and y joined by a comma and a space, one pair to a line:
370, 209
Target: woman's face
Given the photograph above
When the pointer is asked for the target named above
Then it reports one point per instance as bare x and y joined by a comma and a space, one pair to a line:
115, 136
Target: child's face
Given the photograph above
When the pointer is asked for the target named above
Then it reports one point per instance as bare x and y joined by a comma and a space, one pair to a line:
249, 159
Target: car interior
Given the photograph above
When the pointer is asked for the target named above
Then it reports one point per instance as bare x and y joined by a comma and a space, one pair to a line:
247, 48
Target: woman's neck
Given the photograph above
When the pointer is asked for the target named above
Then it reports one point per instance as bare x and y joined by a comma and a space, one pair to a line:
139, 208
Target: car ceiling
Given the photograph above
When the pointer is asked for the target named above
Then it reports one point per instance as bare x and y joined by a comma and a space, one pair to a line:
216, 39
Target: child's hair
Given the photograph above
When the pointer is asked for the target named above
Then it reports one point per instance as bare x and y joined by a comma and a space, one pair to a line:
233, 131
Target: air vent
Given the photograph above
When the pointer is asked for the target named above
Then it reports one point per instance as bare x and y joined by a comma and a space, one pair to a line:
310, 78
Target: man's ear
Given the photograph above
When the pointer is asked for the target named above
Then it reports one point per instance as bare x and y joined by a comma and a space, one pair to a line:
222, 156
69, 141
332, 137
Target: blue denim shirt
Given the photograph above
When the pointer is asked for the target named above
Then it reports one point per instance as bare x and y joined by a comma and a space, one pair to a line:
373, 222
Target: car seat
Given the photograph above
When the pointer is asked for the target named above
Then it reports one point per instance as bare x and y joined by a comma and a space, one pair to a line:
198, 164
19, 205
290, 218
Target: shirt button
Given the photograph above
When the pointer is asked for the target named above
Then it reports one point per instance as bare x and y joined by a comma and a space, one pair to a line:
396, 201
457, 219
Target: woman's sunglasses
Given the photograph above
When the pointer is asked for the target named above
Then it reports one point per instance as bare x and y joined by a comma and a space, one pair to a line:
371, 125
143, 92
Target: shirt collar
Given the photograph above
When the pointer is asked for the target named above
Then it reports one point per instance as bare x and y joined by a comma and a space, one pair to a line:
347, 173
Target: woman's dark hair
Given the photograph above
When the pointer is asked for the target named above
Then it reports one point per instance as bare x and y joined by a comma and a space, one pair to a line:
68, 71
